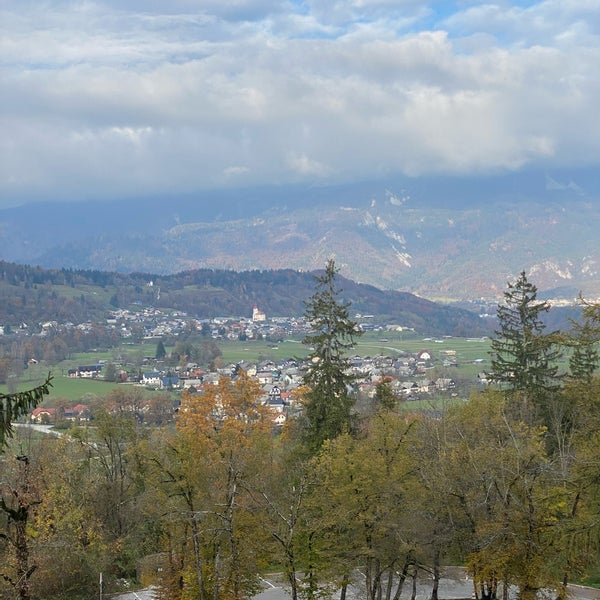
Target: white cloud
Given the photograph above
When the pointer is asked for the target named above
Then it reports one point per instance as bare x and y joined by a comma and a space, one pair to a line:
130, 97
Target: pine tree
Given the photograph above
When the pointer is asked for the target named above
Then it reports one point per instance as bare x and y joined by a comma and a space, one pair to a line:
329, 400
584, 339
160, 350
13, 406
523, 357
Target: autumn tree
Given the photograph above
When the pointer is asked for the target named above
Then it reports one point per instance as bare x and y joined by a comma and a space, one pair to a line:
282, 492
69, 539
329, 402
222, 446
361, 496
507, 498
17, 503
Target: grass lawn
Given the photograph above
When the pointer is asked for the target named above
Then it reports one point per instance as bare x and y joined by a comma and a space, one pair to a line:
63, 387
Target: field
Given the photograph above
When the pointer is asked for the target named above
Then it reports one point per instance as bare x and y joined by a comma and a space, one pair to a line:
466, 350
63, 387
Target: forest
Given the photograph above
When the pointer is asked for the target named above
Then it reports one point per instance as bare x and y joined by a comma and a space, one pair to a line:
32, 295
506, 483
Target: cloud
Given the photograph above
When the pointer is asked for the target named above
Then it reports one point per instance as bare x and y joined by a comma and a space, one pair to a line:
127, 97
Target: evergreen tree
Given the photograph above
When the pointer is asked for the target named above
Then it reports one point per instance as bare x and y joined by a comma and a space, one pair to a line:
160, 350
329, 400
523, 357
13, 406
584, 339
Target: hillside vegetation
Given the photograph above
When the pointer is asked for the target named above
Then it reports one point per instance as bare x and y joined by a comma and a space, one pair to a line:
33, 295
446, 242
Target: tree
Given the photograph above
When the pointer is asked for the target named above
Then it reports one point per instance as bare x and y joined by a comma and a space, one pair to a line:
522, 356
160, 350
362, 494
222, 444
67, 539
17, 504
13, 406
110, 371
329, 402
584, 338
384, 394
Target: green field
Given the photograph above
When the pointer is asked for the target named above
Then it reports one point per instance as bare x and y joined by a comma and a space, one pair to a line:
63, 387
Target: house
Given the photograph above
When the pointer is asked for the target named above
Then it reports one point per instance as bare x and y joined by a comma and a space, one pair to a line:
79, 412
192, 382
170, 382
43, 415
264, 377
278, 419
153, 378
89, 371
444, 384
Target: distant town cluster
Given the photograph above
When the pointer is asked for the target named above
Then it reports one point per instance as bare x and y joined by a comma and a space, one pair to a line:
407, 374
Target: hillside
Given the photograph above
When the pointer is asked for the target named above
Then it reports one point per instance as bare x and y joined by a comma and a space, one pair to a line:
33, 295
444, 241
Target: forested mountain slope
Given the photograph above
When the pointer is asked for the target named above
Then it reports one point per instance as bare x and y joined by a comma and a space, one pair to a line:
443, 240
33, 295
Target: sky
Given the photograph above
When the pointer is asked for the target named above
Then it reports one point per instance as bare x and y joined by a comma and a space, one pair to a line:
112, 99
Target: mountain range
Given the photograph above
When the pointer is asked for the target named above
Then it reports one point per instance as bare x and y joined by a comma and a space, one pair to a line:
444, 239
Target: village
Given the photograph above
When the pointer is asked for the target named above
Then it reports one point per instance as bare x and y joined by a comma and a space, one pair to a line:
409, 375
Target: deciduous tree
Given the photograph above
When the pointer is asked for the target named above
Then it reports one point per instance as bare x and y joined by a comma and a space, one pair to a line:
222, 446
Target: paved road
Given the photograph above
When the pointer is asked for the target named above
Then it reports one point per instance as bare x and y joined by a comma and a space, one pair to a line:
452, 587
139, 595
455, 586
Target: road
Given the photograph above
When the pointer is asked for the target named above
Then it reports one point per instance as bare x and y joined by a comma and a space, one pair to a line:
455, 586
452, 587
147, 594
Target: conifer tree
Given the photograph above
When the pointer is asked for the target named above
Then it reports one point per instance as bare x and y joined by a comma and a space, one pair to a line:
584, 339
13, 406
160, 350
329, 401
523, 357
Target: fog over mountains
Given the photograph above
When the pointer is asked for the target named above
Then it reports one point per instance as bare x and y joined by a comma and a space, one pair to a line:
441, 238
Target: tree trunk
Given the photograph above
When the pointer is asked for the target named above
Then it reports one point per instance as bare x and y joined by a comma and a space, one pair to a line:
198, 557
18, 517
407, 563
414, 582
344, 590
436, 575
